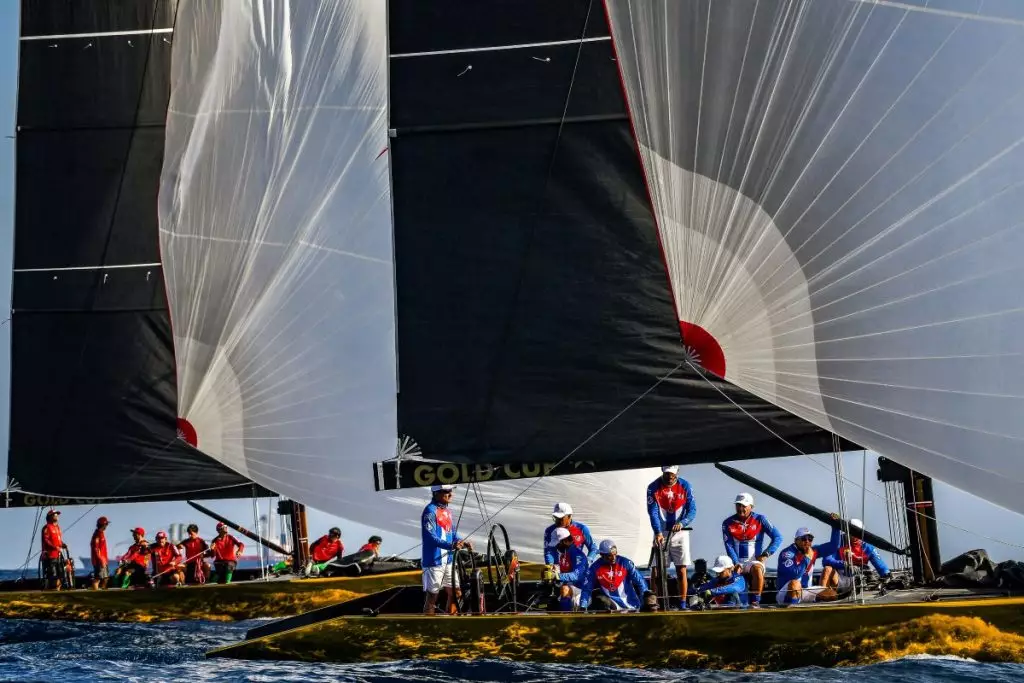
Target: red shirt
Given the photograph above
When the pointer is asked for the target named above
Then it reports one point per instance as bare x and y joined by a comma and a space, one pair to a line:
193, 547
369, 546
53, 541
164, 557
98, 548
136, 555
324, 549
223, 548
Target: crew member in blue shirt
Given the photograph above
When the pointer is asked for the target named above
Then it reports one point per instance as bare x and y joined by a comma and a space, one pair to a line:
727, 586
743, 534
856, 553
671, 507
796, 566
618, 584
562, 514
439, 538
571, 567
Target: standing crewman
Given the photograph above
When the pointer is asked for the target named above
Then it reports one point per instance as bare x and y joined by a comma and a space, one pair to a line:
193, 549
226, 549
855, 553
439, 538
671, 507
743, 534
52, 552
324, 550
562, 515
98, 555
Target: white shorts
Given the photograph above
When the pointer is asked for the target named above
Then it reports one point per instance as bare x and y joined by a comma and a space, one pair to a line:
679, 549
436, 578
808, 595
747, 564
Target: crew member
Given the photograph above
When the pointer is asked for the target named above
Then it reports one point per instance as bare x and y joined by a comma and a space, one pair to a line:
796, 565
226, 549
324, 550
562, 515
166, 560
98, 555
132, 569
744, 535
439, 537
53, 551
193, 549
856, 553
618, 584
570, 569
373, 546
671, 507
727, 586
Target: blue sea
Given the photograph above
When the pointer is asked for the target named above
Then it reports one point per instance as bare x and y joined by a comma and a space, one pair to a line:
68, 652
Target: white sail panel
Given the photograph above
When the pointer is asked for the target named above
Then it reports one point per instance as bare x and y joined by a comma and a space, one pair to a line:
838, 189
275, 231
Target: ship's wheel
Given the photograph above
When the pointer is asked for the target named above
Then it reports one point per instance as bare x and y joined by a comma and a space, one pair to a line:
502, 566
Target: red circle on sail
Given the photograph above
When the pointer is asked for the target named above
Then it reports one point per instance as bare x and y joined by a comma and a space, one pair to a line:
187, 433
703, 347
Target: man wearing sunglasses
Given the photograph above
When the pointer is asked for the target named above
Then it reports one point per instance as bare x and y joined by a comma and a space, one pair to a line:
796, 568
439, 538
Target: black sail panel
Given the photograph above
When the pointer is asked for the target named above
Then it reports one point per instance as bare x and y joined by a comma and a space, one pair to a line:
93, 388
533, 303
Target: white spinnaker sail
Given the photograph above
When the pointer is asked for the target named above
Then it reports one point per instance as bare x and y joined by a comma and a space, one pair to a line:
276, 242
839, 188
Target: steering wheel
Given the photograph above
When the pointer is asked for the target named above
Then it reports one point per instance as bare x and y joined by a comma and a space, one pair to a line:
502, 565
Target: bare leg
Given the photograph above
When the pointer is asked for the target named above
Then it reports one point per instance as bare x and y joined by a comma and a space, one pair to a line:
681, 578
756, 574
430, 603
829, 577
794, 590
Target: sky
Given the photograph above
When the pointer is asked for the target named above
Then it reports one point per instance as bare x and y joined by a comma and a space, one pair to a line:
810, 478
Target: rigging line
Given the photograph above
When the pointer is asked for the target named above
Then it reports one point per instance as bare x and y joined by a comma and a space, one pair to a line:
825, 467
28, 553
528, 249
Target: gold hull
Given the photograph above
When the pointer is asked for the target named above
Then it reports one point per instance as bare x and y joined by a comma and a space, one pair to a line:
768, 639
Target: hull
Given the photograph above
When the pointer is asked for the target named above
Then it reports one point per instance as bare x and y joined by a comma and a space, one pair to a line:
769, 639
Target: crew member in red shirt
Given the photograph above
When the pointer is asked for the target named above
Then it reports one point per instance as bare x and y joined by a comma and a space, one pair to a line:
373, 545
132, 569
226, 549
193, 549
324, 550
51, 554
166, 562
98, 555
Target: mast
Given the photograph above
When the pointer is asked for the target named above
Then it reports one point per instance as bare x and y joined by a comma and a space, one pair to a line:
296, 514
919, 509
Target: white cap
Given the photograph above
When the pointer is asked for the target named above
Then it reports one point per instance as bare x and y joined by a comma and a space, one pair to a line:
606, 546
670, 468
441, 487
561, 510
856, 523
802, 531
561, 533
744, 499
722, 562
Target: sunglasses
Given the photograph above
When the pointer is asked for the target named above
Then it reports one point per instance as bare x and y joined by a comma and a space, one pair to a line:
806, 538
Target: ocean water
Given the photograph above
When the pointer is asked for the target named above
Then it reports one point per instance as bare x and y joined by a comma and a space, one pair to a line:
69, 652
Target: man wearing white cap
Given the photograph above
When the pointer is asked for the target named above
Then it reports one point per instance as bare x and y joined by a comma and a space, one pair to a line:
571, 569
439, 537
727, 586
743, 534
855, 553
671, 507
562, 515
618, 584
796, 565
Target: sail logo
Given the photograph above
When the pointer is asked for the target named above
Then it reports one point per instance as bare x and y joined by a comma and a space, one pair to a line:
451, 473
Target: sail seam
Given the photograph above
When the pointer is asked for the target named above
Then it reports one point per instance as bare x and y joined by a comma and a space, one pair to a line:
100, 34
907, 7
498, 48
103, 267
